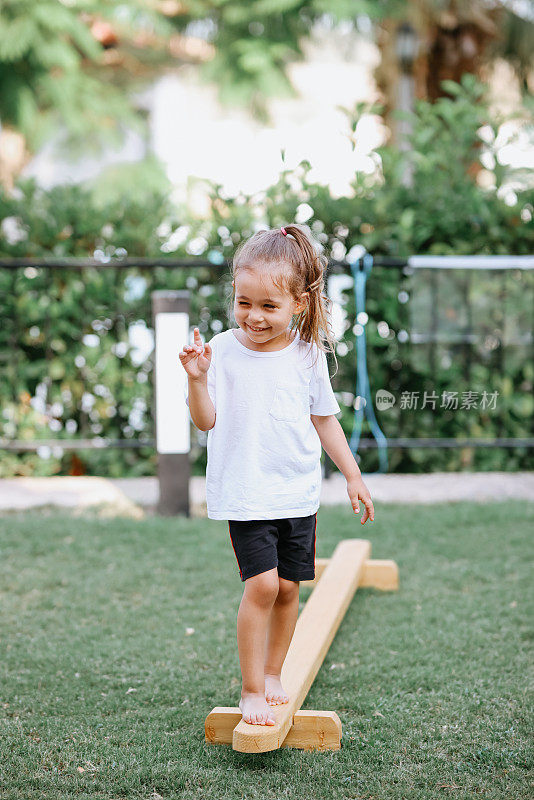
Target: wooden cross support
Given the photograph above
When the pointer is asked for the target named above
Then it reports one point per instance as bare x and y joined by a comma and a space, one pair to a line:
336, 581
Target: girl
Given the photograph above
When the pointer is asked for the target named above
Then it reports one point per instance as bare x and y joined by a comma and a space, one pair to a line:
263, 393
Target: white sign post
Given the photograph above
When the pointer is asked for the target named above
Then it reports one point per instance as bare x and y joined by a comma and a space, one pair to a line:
170, 311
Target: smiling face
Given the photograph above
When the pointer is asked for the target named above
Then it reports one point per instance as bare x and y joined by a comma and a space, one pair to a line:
260, 304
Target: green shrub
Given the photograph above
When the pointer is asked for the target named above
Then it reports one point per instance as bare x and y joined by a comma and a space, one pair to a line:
445, 209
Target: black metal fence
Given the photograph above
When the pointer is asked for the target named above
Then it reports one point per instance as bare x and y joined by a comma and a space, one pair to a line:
507, 279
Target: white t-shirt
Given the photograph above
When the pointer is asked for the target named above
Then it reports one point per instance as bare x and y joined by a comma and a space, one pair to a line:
263, 451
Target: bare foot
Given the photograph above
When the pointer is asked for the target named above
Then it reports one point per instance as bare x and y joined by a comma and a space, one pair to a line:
274, 691
255, 710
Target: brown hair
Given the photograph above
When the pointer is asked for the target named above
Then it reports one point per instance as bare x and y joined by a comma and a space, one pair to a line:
294, 265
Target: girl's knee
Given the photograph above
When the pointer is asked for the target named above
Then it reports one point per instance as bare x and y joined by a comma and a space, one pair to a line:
263, 588
287, 590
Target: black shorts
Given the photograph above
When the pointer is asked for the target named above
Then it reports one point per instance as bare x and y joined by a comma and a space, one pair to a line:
262, 544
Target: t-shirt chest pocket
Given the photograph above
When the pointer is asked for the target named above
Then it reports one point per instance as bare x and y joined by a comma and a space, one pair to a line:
289, 403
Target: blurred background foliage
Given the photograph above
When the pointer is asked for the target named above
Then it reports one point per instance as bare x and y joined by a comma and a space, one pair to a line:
79, 69
74, 360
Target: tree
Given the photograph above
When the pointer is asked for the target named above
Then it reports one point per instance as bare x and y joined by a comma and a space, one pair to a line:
55, 64
454, 38
77, 63
254, 41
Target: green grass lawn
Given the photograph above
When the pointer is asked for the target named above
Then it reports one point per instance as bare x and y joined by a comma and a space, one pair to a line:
104, 691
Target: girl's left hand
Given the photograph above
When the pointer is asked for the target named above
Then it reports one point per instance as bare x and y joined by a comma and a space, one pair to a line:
357, 490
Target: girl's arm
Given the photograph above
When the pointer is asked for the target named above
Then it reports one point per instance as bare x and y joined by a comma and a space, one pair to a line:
335, 444
201, 406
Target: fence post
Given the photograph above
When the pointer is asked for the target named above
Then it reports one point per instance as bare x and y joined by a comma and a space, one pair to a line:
170, 319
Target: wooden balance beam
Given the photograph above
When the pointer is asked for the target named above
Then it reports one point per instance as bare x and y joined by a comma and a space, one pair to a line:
335, 583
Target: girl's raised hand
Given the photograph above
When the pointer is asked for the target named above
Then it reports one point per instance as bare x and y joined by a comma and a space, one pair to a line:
196, 358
